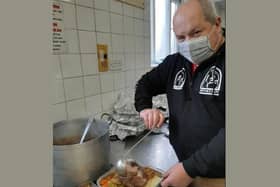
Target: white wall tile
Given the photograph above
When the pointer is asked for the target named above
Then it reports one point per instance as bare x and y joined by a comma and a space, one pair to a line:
85, 18
71, 38
147, 44
102, 20
58, 112
147, 60
130, 78
56, 67
108, 100
76, 109
89, 64
128, 10
119, 78
71, 65
116, 23
87, 3
129, 61
139, 27
128, 25
73, 88
92, 85
116, 6
57, 91
117, 43
147, 28
147, 10
69, 19
139, 73
139, 60
107, 82
104, 38
87, 42
93, 105
139, 44
116, 62
129, 44
138, 13
102, 4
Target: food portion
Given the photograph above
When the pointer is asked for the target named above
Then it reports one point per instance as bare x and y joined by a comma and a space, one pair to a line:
136, 176
70, 140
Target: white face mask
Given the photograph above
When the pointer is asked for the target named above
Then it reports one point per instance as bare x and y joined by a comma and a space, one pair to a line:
196, 50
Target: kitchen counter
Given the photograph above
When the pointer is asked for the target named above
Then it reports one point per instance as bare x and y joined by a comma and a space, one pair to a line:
155, 150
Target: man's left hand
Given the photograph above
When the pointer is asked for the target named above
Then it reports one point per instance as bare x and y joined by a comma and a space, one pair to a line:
176, 176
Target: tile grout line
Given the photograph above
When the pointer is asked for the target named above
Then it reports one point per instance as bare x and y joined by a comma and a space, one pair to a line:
81, 65
99, 73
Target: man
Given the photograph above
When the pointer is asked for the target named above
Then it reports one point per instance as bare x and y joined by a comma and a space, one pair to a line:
194, 82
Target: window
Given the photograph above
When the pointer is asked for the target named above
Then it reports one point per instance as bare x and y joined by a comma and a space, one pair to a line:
163, 40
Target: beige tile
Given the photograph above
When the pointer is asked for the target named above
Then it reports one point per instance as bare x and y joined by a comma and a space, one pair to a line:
85, 18
147, 44
139, 60
116, 23
129, 44
119, 78
73, 88
102, 20
116, 7
139, 27
71, 38
129, 61
107, 82
139, 44
57, 91
108, 100
76, 109
89, 64
92, 85
56, 67
117, 43
69, 20
93, 105
138, 13
128, 25
128, 10
87, 3
130, 79
58, 112
87, 42
71, 65
102, 4
147, 31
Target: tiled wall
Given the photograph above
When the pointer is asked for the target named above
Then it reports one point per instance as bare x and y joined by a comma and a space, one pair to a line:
78, 88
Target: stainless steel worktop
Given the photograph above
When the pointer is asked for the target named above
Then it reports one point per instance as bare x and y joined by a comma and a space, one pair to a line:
155, 150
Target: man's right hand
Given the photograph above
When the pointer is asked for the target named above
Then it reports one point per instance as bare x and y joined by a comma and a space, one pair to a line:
152, 118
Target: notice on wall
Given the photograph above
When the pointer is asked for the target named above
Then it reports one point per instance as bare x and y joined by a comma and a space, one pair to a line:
102, 55
59, 43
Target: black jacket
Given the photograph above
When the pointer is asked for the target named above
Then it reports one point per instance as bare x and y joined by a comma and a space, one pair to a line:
196, 110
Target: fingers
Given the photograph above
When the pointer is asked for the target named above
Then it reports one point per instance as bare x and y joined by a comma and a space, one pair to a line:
152, 118
161, 120
166, 182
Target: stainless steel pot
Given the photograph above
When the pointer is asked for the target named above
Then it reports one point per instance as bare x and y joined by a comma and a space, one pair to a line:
77, 163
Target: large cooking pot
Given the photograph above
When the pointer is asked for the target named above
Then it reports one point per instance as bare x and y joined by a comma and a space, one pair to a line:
76, 163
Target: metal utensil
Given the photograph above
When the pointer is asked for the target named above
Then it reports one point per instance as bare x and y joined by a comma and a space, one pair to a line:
90, 120
121, 164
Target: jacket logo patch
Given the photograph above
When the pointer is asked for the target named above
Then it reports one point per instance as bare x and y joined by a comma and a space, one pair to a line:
179, 80
211, 83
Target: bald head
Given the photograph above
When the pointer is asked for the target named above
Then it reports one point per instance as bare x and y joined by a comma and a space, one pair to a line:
195, 18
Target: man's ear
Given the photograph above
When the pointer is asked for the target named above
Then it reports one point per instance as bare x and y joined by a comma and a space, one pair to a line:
218, 21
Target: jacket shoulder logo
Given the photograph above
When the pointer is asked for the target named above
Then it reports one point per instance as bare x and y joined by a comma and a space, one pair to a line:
179, 80
211, 83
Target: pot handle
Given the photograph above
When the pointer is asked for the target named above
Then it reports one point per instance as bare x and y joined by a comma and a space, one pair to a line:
109, 117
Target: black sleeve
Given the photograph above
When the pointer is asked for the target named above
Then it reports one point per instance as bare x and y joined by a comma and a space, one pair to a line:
209, 160
151, 84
